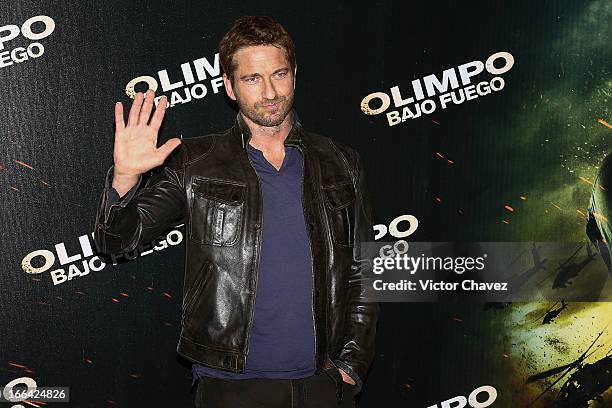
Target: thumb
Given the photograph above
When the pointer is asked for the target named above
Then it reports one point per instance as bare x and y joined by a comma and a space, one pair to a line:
167, 148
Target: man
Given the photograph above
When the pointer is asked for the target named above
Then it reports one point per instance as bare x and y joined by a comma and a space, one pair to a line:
274, 312
599, 229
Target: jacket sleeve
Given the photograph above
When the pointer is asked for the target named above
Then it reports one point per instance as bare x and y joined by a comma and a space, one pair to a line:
112, 196
142, 214
362, 313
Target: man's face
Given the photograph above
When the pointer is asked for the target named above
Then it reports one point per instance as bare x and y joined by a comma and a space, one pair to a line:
263, 84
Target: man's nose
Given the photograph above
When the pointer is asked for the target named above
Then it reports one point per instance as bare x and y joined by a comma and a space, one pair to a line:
269, 92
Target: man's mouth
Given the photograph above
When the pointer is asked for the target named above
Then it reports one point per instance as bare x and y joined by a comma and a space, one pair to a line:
270, 105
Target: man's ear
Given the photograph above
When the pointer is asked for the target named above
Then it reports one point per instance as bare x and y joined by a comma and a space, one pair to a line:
294, 75
228, 87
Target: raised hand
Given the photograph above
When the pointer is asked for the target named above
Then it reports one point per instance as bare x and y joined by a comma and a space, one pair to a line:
136, 150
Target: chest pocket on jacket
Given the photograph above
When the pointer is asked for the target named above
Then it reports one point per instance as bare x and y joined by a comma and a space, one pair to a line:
339, 200
216, 211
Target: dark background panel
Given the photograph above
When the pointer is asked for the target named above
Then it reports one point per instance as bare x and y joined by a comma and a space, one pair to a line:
57, 117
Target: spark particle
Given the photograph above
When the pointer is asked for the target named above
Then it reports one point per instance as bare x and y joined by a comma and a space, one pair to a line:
24, 164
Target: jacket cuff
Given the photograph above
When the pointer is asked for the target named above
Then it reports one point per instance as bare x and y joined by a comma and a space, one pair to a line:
112, 196
351, 373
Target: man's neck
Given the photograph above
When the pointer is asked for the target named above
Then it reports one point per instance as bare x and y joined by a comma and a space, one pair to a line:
270, 138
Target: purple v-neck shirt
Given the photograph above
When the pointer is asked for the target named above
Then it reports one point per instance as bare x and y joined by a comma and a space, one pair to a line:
282, 335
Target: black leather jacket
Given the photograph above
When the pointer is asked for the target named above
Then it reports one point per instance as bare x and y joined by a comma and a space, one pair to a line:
208, 184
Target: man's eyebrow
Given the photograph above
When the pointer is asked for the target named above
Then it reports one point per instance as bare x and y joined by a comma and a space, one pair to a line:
257, 74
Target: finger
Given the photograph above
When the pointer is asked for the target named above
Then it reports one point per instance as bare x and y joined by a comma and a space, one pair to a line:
158, 116
167, 148
119, 122
147, 106
135, 109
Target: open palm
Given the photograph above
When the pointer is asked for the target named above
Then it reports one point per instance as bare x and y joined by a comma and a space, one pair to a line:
136, 150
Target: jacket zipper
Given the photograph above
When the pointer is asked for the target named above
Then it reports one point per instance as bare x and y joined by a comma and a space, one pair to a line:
258, 248
312, 302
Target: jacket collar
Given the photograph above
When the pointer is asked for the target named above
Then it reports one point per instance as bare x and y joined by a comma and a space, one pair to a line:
293, 138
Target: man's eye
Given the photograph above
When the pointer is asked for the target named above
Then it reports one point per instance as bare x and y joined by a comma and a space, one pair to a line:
281, 74
250, 80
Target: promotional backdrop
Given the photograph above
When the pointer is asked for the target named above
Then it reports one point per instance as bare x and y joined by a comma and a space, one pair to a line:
476, 121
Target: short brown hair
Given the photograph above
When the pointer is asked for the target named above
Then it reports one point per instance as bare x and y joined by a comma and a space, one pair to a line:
253, 30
